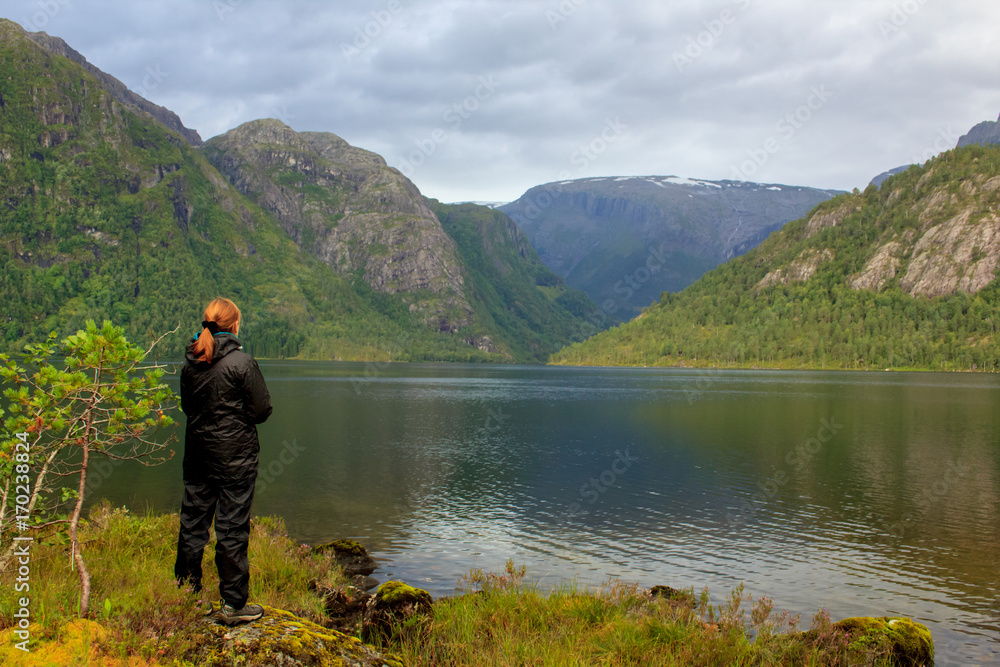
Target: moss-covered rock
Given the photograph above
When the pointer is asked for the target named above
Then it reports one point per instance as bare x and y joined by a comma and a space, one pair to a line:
395, 607
867, 640
902, 640
343, 546
351, 556
673, 595
281, 638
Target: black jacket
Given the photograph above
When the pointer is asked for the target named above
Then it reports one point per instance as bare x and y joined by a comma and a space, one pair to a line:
223, 401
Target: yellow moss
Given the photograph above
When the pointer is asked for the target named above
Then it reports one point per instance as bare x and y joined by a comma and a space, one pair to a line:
908, 640
76, 644
348, 546
396, 592
282, 633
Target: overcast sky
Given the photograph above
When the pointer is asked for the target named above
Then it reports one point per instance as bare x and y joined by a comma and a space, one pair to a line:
482, 99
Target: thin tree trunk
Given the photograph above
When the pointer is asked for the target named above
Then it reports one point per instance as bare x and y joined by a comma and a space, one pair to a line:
35, 493
74, 523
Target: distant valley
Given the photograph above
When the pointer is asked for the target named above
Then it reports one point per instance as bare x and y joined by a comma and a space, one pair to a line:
902, 276
625, 240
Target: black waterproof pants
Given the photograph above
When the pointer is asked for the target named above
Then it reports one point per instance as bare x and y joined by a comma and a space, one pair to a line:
228, 502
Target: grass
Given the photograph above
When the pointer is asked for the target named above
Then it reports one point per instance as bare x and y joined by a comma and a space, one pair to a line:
134, 597
507, 622
139, 617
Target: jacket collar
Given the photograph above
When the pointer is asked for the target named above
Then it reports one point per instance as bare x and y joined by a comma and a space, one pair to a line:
225, 343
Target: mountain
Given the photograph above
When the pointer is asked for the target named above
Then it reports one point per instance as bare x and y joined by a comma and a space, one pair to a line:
111, 214
344, 206
119, 90
625, 240
902, 276
878, 180
986, 133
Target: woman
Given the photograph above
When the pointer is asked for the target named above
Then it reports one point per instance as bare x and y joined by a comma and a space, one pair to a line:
224, 397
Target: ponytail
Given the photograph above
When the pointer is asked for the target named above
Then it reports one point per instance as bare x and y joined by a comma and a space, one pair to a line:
220, 315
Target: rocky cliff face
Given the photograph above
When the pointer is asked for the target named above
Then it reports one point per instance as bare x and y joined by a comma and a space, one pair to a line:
626, 240
118, 90
346, 207
938, 234
955, 246
986, 133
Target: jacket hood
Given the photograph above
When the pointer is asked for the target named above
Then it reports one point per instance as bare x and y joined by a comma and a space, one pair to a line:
225, 343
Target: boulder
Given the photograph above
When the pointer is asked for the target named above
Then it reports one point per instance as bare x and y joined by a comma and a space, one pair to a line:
395, 607
281, 638
351, 557
672, 595
885, 640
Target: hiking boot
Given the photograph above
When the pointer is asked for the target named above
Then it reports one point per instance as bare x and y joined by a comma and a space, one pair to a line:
232, 616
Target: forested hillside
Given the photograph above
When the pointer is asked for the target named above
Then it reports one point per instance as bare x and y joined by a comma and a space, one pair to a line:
513, 293
108, 214
901, 276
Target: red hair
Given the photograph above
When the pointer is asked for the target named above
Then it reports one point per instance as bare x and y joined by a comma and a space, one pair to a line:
226, 317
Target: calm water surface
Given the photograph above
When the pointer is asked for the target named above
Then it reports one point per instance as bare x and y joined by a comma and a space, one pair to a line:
862, 493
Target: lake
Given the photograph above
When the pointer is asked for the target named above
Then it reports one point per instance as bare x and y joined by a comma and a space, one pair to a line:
862, 493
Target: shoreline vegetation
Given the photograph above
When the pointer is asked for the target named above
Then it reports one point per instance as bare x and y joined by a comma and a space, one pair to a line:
712, 367
140, 618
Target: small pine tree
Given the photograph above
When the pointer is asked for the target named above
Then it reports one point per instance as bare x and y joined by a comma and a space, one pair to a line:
98, 402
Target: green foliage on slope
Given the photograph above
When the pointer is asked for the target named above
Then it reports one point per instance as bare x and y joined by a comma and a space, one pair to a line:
530, 308
912, 318
107, 214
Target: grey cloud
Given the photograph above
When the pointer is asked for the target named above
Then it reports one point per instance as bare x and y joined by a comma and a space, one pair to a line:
384, 74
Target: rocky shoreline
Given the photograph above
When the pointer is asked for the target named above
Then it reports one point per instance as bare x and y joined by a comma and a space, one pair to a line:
322, 607
396, 607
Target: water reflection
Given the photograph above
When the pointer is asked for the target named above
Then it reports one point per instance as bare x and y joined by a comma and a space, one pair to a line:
862, 493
